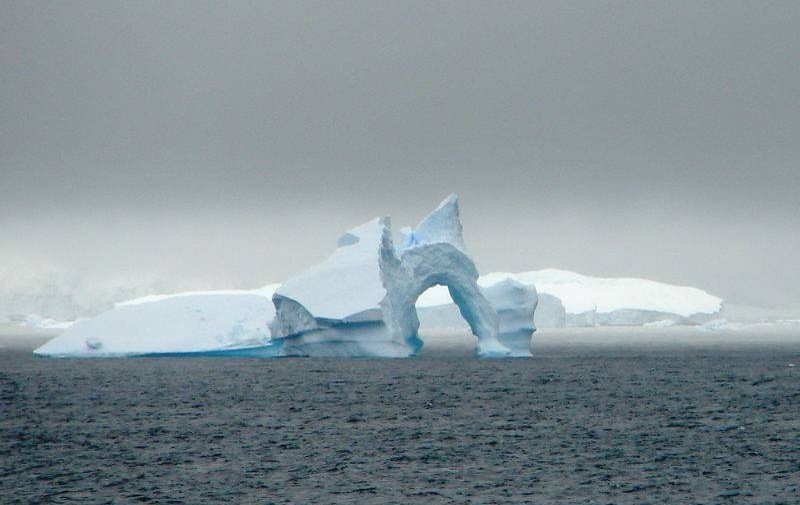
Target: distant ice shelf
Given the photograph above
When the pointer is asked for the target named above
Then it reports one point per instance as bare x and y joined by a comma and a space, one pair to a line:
571, 299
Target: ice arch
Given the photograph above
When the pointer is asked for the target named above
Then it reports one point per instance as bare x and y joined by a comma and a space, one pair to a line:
360, 301
513, 301
426, 265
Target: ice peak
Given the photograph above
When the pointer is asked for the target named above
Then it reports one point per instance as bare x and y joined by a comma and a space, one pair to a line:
442, 225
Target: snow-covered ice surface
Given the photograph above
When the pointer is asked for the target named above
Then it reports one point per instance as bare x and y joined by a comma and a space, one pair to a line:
347, 286
266, 291
205, 322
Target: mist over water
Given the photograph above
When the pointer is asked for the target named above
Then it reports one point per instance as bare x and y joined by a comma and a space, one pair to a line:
209, 146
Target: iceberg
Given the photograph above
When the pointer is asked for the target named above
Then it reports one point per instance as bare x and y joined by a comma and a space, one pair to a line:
205, 323
361, 300
590, 301
597, 301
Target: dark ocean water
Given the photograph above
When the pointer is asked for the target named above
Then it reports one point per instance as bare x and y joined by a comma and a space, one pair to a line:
587, 424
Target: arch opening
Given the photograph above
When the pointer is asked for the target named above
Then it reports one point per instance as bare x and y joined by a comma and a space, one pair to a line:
442, 328
443, 325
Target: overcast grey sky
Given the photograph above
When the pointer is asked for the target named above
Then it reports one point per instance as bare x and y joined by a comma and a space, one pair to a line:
232, 142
